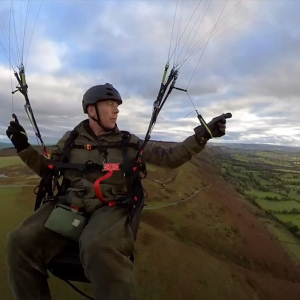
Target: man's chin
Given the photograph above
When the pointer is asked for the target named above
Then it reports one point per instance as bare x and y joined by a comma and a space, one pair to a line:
111, 126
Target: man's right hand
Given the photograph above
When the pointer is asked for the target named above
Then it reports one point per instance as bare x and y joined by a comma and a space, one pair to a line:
217, 127
18, 136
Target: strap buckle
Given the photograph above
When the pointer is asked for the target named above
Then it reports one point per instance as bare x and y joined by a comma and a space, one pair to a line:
110, 167
88, 147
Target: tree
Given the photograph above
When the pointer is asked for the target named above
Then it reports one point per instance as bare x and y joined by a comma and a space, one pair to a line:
291, 227
295, 211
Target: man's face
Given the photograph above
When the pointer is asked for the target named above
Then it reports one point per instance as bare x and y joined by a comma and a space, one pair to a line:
108, 112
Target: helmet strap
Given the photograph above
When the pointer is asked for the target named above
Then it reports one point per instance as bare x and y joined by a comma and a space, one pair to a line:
98, 120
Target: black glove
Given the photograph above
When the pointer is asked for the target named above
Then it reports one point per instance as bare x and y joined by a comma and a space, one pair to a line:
18, 136
216, 126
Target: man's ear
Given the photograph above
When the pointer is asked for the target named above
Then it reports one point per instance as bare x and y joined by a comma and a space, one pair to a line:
91, 110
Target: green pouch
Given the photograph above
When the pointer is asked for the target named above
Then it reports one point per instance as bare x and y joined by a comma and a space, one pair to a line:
66, 221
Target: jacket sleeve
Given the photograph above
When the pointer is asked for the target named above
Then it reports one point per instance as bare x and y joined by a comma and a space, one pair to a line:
174, 156
37, 162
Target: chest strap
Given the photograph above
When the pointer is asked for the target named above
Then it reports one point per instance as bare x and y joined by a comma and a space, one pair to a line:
116, 145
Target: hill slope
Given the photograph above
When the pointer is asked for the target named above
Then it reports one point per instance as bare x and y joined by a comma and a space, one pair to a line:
198, 238
212, 246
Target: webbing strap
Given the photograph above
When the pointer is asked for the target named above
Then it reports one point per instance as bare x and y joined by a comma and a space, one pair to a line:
49, 182
57, 168
101, 147
64, 165
78, 290
69, 144
106, 167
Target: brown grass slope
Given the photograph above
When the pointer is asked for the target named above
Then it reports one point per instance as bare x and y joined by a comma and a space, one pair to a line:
212, 246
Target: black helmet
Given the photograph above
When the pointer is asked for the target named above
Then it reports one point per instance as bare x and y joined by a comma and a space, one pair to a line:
100, 93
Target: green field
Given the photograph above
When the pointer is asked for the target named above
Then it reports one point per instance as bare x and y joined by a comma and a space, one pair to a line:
11, 160
289, 171
241, 158
291, 243
225, 164
278, 205
275, 163
237, 169
11, 215
253, 172
294, 195
290, 176
289, 180
295, 219
241, 175
261, 194
282, 182
263, 181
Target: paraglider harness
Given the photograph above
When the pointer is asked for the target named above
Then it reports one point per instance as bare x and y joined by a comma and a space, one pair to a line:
133, 201
134, 172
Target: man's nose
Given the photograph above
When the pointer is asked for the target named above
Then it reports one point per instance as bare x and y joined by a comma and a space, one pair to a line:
116, 109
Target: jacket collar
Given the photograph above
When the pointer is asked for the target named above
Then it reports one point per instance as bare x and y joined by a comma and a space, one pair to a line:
85, 130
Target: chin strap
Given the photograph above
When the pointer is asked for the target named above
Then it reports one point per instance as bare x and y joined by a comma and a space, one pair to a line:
98, 121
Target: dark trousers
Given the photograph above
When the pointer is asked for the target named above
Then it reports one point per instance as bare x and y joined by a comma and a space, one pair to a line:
105, 246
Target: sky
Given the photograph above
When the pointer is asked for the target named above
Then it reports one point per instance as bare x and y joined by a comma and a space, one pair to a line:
245, 59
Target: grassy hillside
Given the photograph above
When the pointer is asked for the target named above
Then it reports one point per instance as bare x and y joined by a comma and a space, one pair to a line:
198, 239
268, 179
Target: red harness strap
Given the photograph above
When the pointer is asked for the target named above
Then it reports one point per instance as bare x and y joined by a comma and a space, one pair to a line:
110, 168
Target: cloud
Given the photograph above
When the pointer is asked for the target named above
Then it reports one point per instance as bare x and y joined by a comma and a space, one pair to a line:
250, 66
47, 56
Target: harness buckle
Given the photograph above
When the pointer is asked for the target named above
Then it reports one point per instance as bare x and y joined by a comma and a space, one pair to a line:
109, 167
88, 147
